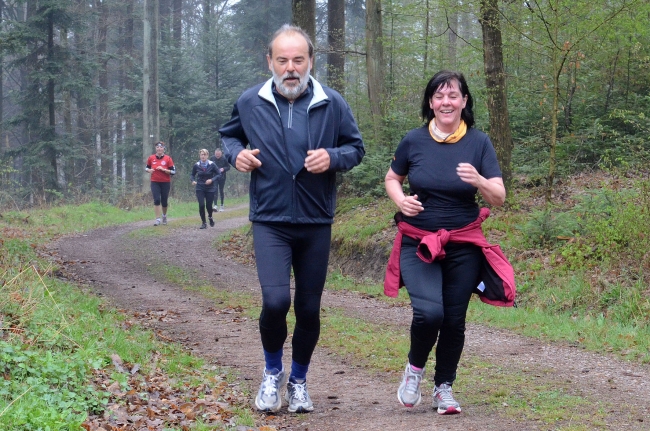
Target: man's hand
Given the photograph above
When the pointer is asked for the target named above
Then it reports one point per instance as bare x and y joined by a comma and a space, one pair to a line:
317, 161
246, 160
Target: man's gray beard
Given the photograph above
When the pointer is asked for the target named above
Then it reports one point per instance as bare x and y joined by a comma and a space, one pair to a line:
291, 93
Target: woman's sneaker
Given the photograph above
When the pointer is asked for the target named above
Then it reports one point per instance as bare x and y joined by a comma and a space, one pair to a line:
444, 400
211, 221
298, 397
164, 219
268, 398
408, 393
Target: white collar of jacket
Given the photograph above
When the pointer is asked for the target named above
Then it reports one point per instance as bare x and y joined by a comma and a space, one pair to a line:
266, 93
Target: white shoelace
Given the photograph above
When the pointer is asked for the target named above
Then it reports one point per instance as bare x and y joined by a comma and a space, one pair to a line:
444, 393
270, 384
299, 391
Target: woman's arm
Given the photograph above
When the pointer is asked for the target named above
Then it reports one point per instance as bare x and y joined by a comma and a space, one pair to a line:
492, 190
408, 205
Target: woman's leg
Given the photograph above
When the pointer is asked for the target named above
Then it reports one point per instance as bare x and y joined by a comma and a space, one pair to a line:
156, 194
461, 273
200, 196
209, 198
164, 196
423, 282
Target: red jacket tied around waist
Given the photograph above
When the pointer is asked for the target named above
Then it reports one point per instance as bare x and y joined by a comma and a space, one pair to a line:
497, 273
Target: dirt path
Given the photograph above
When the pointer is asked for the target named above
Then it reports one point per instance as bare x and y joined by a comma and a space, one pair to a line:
346, 396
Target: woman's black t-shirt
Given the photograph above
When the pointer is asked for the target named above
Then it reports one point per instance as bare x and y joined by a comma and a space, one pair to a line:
449, 203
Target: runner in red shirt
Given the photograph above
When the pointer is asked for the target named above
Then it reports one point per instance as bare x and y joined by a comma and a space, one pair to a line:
161, 167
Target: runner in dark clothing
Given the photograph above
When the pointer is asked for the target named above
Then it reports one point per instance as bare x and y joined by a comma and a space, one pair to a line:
223, 166
293, 135
204, 176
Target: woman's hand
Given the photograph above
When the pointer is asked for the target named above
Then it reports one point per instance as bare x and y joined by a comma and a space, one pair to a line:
410, 206
193, 183
208, 181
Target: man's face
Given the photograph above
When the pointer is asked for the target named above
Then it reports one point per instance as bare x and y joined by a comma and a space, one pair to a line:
290, 64
160, 150
218, 154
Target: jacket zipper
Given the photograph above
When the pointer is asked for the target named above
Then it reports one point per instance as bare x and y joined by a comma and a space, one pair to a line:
290, 119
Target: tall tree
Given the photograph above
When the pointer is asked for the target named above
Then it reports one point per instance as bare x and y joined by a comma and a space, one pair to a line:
336, 44
304, 16
495, 84
375, 65
150, 98
103, 123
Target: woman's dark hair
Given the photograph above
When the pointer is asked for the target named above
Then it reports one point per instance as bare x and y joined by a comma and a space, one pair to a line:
442, 79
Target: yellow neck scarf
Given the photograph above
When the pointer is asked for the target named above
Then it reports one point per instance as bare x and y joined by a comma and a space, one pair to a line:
451, 138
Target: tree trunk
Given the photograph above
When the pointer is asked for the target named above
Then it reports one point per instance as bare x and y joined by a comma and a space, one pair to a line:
176, 27
336, 44
103, 146
610, 82
571, 91
67, 123
81, 100
452, 38
50, 132
427, 23
375, 65
150, 104
129, 134
304, 16
495, 82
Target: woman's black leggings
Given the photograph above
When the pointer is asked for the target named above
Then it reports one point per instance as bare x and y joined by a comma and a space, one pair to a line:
278, 248
205, 201
160, 193
221, 183
440, 294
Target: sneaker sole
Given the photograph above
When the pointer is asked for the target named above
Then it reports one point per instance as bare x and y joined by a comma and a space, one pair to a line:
272, 409
450, 411
301, 409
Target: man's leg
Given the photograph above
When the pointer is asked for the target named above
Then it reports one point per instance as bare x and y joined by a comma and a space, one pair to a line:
273, 258
310, 259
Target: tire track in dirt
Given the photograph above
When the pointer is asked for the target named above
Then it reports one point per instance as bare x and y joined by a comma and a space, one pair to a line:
346, 396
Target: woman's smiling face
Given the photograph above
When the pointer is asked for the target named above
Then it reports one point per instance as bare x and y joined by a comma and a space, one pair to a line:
447, 104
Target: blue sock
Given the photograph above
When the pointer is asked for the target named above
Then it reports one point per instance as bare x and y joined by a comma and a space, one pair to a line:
298, 372
273, 360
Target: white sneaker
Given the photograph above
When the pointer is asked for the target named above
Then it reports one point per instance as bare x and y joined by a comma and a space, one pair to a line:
444, 400
408, 393
268, 398
298, 398
221, 210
